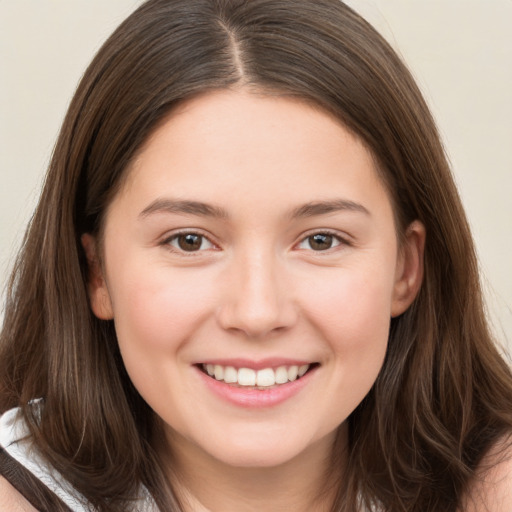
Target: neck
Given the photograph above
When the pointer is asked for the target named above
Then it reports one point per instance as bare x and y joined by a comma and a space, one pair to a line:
307, 482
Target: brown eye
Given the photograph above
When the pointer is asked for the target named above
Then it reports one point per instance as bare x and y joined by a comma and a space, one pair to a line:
190, 242
320, 242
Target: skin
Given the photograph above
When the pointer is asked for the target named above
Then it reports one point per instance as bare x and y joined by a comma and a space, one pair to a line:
256, 288
11, 500
491, 489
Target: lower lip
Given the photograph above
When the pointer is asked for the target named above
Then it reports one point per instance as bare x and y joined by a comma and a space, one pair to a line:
256, 398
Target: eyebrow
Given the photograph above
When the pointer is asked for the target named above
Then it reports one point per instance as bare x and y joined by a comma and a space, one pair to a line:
185, 207
325, 207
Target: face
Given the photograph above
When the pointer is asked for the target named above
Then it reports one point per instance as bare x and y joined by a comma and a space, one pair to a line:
251, 266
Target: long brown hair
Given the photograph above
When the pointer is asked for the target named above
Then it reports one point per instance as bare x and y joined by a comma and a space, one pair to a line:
444, 395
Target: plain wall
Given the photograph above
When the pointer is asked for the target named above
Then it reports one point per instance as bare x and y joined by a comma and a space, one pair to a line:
460, 51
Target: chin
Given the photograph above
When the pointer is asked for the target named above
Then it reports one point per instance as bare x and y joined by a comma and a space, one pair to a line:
257, 458
262, 451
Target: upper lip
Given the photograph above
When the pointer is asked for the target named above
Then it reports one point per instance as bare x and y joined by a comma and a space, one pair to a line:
274, 362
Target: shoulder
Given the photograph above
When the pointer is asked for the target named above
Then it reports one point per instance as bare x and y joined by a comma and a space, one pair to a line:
491, 489
11, 500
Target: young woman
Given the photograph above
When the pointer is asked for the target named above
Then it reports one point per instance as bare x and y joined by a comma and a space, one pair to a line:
249, 283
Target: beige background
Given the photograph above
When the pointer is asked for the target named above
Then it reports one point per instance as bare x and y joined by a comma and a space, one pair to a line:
459, 50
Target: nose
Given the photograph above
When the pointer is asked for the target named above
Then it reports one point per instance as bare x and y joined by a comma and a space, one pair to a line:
257, 302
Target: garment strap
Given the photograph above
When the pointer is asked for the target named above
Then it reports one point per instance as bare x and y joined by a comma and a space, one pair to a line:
30, 487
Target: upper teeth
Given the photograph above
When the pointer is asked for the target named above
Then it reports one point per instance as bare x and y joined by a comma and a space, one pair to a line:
261, 378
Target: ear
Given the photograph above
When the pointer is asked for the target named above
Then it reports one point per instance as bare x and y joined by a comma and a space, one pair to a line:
409, 268
99, 297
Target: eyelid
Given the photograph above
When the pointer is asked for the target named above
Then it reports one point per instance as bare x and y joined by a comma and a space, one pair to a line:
169, 237
343, 239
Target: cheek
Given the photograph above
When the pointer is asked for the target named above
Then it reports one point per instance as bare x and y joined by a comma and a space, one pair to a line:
352, 304
156, 313
158, 308
352, 315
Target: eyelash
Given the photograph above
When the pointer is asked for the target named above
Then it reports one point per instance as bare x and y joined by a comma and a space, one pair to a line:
339, 240
168, 242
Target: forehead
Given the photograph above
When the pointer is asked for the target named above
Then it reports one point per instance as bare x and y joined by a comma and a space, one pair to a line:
230, 145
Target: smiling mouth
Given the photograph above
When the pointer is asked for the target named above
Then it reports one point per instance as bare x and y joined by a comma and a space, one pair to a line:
266, 378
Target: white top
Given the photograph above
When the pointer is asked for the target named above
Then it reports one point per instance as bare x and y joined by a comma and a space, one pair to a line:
14, 438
